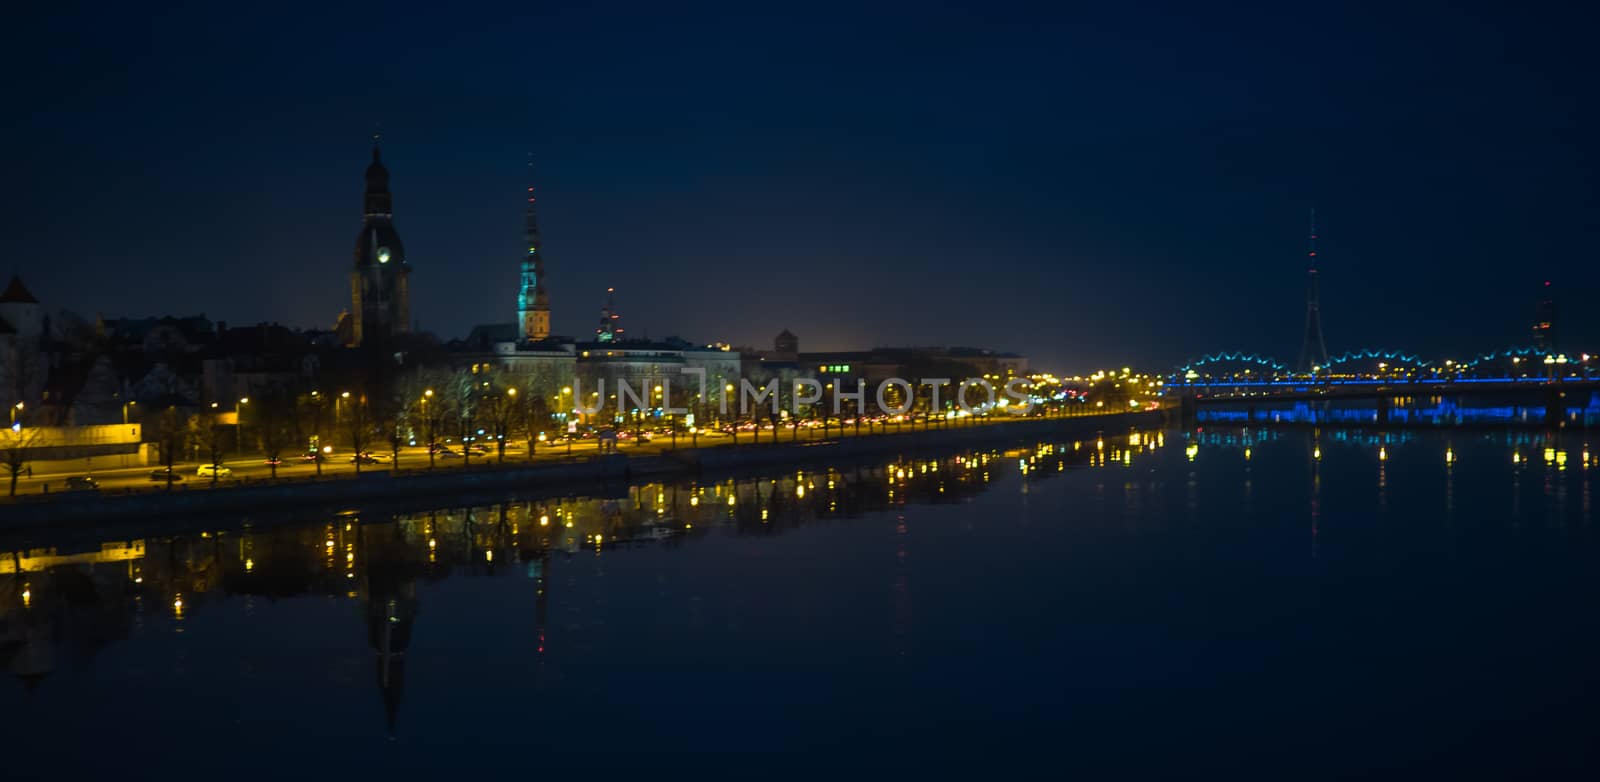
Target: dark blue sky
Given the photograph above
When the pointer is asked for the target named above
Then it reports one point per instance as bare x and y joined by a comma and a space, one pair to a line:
1089, 184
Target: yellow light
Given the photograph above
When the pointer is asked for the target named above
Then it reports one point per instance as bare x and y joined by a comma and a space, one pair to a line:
544, 521
345, 395
1383, 455
428, 392
244, 400
488, 555
1449, 455
730, 500
27, 597
1316, 453
1247, 454
432, 544
249, 565
327, 449
511, 392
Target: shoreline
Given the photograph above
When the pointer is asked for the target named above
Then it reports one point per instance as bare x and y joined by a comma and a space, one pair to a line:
579, 473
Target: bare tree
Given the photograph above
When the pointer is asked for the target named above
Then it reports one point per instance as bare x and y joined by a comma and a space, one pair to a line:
358, 428
214, 445
314, 409
20, 442
174, 432
464, 398
275, 429
500, 407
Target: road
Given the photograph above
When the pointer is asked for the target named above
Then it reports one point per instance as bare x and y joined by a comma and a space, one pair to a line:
251, 468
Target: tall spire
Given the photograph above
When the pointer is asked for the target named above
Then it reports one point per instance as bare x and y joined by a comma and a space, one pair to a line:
533, 302
610, 329
378, 201
1313, 350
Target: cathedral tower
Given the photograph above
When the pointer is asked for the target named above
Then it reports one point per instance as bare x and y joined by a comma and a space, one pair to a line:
380, 296
533, 301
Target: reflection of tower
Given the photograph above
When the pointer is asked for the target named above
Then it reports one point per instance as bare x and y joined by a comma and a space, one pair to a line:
391, 613
540, 570
1313, 351
379, 290
533, 302
610, 320
1544, 320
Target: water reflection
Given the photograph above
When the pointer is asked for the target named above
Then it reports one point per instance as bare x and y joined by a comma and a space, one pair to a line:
62, 604
1159, 586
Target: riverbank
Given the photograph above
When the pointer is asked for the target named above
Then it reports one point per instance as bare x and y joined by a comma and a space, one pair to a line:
587, 473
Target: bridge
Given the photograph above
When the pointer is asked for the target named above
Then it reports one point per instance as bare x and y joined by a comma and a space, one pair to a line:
1557, 380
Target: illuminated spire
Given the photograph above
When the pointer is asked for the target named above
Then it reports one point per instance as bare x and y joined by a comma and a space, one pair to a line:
610, 329
533, 302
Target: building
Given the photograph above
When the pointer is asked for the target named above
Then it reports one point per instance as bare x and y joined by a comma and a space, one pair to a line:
380, 296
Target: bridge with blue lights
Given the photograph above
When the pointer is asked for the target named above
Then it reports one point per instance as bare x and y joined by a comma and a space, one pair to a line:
1233, 377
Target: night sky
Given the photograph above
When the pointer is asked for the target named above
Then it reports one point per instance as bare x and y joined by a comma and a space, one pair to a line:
1090, 185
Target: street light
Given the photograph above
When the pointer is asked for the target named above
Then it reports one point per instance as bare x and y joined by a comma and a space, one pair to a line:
14, 410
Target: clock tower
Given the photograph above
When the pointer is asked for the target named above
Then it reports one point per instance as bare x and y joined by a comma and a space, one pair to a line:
380, 296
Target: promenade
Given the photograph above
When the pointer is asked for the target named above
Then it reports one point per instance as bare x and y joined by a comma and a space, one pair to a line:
133, 493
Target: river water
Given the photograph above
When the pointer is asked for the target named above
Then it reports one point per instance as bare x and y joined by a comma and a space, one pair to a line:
1285, 602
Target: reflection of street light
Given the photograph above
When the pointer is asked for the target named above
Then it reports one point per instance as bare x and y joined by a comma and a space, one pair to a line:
14, 410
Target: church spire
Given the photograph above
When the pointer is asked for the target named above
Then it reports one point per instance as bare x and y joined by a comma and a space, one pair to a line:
378, 200
533, 302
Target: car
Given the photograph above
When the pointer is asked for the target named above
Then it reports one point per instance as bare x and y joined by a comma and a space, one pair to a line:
164, 473
212, 471
444, 450
367, 458
82, 483
272, 462
478, 449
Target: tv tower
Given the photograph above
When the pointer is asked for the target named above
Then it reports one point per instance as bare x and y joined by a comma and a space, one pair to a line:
1314, 350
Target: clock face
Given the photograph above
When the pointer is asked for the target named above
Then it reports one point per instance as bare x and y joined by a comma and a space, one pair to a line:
383, 255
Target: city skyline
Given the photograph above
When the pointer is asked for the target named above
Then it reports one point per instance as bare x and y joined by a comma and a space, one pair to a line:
1091, 221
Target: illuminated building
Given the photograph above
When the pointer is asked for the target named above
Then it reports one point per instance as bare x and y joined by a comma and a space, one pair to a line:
380, 297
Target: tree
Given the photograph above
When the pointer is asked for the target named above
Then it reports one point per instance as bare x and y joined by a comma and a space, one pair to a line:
314, 411
463, 399
535, 414
213, 444
275, 428
174, 435
501, 408
358, 428
18, 450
